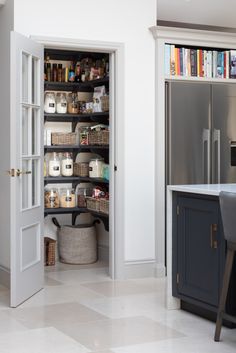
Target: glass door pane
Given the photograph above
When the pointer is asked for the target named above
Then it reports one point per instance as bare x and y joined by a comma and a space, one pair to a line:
25, 78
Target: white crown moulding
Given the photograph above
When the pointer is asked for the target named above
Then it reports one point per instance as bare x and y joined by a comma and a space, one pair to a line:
2, 2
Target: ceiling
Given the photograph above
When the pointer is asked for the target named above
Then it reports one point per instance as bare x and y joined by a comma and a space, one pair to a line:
205, 12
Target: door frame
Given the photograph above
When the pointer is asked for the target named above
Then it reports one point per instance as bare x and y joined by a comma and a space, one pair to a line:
117, 154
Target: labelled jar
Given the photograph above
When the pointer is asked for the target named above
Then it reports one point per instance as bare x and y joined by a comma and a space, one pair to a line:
67, 198
96, 167
67, 165
54, 165
73, 104
61, 103
50, 103
51, 198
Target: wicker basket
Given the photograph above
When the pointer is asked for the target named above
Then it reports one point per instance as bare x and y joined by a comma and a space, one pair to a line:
105, 103
99, 137
61, 138
49, 251
93, 204
104, 206
81, 169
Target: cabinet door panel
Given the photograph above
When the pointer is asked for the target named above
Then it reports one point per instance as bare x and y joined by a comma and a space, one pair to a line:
198, 259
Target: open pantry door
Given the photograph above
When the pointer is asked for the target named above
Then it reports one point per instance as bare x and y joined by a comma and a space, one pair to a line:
26, 173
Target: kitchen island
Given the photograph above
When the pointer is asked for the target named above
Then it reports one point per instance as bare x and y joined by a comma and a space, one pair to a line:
196, 248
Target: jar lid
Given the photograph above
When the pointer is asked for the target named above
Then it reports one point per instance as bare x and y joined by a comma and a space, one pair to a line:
96, 159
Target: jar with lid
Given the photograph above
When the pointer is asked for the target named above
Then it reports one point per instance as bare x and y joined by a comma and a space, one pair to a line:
54, 72
59, 73
54, 165
96, 167
61, 103
73, 106
67, 165
81, 194
51, 198
50, 103
67, 198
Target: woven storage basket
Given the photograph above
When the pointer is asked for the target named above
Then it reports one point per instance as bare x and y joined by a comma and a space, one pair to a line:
77, 244
99, 137
81, 169
93, 204
49, 251
61, 138
105, 103
104, 206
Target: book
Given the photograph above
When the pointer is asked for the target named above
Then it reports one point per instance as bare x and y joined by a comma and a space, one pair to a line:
232, 69
193, 61
220, 64
181, 63
172, 59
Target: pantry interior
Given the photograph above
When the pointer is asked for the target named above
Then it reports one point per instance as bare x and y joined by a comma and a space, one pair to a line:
77, 151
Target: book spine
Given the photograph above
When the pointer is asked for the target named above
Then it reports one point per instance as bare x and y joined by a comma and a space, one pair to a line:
214, 64
176, 61
193, 61
224, 64
201, 63
167, 60
205, 62
172, 60
181, 61
188, 63
227, 64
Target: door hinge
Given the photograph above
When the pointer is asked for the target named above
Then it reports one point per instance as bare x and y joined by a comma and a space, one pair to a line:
177, 210
177, 278
213, 233
115, 168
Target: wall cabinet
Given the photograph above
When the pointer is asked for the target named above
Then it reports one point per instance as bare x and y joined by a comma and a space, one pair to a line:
199, 251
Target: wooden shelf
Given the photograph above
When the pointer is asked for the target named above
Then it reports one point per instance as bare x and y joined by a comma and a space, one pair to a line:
60, 210
73, 179
71, 148
97, 117
71, 86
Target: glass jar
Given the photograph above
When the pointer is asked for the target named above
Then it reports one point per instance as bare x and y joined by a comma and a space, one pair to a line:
61, 103
73, 106
51, 198
81, 194
96, 167
50, 103
67, 165
67, 198
54, 165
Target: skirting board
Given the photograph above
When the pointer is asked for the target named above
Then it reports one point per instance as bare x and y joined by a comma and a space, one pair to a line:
5, 277
140, 270
103, 253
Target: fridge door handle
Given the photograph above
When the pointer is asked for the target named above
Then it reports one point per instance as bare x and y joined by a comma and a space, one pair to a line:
216, 143
206, 167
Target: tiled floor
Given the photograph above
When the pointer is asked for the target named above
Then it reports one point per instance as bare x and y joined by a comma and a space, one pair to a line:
82, 311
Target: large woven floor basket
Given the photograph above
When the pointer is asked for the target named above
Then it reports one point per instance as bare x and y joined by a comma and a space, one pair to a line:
77, 244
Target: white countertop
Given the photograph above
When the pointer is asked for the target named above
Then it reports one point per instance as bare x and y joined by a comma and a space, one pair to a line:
206, 189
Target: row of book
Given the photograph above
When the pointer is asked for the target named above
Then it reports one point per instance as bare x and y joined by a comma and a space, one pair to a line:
199, 62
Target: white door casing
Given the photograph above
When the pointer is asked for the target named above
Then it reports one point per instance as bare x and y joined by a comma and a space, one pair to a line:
27, 164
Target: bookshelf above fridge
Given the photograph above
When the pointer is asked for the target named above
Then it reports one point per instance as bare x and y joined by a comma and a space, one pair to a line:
199, 63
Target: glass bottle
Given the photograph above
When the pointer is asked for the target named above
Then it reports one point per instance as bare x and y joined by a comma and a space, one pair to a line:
59, 73
54, 72
78, 72
54, 165
61, 103
48, 72
67, 165
71, 77
45, 71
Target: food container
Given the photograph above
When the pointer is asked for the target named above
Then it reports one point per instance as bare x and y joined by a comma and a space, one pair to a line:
54, 165
51, 198
67, 165
67, 198
82, 193
105, 171
50, 103
61, 103
73, 104
81, 169
95, 167
84, 135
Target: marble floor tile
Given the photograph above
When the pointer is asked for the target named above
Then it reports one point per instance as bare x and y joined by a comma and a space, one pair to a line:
63, 294
60, 266
49, 282
51, 315
47, 340
126, 306
118, 288
9, 324
80, 276
108, 334
181, 345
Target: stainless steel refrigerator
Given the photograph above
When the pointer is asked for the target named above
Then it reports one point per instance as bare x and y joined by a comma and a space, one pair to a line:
200, 133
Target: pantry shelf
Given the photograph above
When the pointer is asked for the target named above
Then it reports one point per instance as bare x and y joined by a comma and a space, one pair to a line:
72, 179
97, 117
70, 148
68, 86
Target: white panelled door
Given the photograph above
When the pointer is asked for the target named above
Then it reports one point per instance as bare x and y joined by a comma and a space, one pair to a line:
26, 173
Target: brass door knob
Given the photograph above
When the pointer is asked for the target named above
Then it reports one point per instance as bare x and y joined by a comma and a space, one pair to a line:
17, 172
